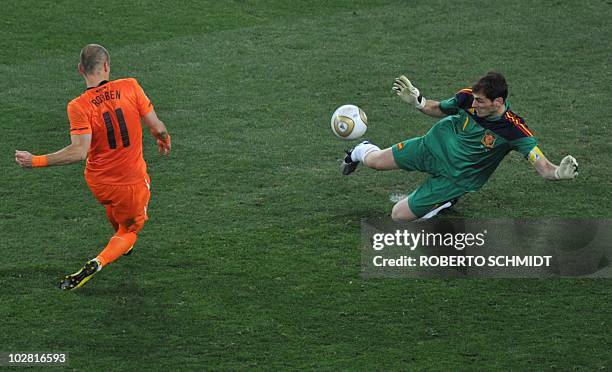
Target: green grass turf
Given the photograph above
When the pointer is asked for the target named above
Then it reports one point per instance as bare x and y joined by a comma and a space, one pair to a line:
250, 258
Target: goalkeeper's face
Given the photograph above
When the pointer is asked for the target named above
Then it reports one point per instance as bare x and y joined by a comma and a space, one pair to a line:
486, 107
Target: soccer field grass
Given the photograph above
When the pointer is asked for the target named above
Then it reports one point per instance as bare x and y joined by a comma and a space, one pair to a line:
251, 256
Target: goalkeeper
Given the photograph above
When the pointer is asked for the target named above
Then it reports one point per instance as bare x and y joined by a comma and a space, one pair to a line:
461, 151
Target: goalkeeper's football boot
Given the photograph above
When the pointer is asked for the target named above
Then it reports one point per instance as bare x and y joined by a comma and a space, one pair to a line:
348, 166
441, 209
81, 277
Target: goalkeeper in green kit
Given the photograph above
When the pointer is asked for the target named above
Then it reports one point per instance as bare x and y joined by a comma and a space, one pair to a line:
461, 151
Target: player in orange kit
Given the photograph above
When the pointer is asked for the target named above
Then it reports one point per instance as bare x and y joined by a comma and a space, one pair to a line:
105, 129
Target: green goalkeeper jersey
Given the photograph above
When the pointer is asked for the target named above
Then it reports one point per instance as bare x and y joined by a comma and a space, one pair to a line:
468, 148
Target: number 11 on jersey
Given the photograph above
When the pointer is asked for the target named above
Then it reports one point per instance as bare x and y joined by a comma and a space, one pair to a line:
110, 130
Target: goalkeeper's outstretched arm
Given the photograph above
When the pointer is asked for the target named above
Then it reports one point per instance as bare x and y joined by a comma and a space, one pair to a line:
566, 170
411, 95
432, 108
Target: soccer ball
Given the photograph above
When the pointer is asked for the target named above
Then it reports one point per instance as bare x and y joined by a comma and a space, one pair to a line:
349, 122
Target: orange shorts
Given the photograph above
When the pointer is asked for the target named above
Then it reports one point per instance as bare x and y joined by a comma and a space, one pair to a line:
127, 203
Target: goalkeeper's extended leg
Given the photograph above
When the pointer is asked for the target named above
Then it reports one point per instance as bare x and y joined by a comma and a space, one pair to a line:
401, 211
370, 155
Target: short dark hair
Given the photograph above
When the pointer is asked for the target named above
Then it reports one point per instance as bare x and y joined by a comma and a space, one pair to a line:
92, 57
493, 85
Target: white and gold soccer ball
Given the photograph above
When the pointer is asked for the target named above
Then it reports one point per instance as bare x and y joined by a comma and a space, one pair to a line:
349, 122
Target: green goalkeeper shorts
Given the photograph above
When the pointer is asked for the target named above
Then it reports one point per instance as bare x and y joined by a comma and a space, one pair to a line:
412, 155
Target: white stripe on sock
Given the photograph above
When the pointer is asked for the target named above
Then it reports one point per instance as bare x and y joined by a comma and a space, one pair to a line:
435, 211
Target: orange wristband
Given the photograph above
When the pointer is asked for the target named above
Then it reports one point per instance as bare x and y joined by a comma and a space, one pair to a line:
39, 161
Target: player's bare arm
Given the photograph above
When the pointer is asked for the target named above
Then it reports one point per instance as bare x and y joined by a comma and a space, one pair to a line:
567, 170
73, 153
159, 131
411, 95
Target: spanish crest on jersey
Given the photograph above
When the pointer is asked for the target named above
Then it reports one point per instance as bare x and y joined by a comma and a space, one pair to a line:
488, 140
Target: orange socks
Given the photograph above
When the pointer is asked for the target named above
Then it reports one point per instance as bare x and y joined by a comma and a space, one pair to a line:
119, 244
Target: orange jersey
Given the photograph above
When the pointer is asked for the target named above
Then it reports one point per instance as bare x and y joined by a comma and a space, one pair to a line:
111, 113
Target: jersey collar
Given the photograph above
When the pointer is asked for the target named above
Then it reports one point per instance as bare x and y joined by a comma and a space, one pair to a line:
99, 85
